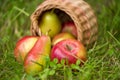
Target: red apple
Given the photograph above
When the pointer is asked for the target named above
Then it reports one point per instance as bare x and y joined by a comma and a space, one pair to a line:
23, 46
69, 27
70, 50
62, 36
35, 61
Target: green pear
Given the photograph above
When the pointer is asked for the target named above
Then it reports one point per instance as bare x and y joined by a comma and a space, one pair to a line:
35, 61
49, 22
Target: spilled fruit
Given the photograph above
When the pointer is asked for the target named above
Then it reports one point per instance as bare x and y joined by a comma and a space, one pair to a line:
36, 59
33, 50
50, 23
23, 46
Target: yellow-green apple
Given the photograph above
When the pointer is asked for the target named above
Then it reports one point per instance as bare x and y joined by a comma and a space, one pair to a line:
35, 61
69, 27
62, 36
50, 23
70, 50
23, 46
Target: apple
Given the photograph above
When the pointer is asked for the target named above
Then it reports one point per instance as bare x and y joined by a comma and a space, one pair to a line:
50, 23
69, 27
70, 50
62, 36
23, 46
35, 61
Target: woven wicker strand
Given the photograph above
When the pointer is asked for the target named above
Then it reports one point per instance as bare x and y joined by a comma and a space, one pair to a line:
78, 11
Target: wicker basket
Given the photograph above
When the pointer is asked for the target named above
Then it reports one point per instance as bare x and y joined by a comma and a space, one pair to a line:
77, 11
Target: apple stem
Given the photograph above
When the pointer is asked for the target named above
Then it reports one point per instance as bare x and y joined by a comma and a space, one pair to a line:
68, 47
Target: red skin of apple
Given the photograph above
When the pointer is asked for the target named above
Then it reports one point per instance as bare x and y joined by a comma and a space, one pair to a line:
35, 60
70, 50
23, 46
69, 27
62, 36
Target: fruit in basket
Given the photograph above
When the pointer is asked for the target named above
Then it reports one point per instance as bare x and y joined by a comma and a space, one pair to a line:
69, 27
70, 50
35, 61
62, 36
49, 22
23, 46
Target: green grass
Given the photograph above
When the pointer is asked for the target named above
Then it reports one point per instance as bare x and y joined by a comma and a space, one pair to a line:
103, 59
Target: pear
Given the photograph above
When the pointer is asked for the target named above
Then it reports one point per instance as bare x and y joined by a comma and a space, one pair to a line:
35, 61
49, 22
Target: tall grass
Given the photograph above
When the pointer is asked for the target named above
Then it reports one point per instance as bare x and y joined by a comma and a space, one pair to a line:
103, 59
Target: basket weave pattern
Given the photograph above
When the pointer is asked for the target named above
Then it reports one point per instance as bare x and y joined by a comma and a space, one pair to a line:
78, 11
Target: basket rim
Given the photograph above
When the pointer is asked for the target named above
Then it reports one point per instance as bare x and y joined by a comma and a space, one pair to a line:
47, 5
43, 7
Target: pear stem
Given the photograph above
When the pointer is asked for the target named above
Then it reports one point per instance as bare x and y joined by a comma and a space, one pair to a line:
52, 11
48, 32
